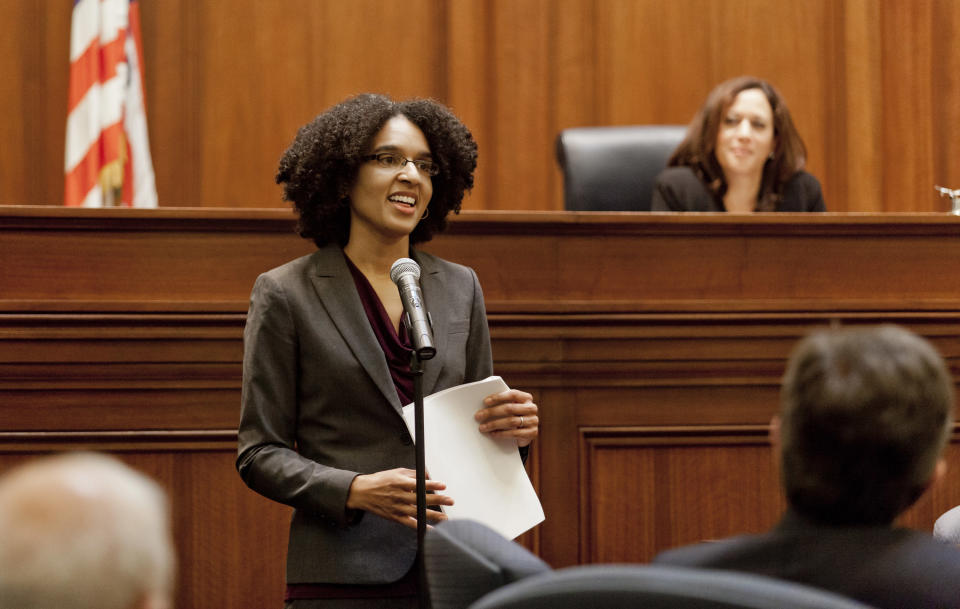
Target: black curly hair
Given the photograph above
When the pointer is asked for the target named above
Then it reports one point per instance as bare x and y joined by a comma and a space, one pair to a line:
320, 166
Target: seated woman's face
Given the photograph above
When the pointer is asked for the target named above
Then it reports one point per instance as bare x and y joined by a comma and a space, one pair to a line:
745, 137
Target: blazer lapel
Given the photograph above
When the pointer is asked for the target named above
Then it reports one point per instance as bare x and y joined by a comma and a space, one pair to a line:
435, 295
335, 288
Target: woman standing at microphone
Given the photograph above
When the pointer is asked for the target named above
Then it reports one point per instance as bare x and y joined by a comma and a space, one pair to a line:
326, 351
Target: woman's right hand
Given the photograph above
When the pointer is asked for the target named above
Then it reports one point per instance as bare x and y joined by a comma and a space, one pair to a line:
392, 494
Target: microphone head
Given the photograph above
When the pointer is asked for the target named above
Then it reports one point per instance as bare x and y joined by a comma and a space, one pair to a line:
404, 266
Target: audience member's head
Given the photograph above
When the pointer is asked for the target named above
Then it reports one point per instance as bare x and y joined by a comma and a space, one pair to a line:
83, 531
865, 415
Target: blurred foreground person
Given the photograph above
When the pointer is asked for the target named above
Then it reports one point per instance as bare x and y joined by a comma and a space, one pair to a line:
865, 415
83, 531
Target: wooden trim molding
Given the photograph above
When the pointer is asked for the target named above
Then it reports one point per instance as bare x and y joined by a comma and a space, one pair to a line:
597, 440
186, 441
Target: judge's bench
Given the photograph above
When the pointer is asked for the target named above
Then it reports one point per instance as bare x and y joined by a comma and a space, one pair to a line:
653, 344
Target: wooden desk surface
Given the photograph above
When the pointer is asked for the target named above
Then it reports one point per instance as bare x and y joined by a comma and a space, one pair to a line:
529, 262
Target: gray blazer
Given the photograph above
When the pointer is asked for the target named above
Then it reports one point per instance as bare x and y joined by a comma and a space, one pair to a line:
319, 406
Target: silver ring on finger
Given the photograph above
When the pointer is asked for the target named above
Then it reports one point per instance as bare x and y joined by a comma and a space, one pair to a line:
521, 423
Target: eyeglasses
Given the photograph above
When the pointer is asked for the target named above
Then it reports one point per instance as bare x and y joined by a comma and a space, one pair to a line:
392, 160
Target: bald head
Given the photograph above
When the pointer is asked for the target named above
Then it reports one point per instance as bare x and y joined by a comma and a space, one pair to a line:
83, 531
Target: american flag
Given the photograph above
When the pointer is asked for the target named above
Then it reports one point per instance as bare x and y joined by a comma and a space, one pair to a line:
108, 159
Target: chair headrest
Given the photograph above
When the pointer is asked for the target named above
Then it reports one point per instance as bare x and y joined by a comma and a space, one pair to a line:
659, 587
614, 168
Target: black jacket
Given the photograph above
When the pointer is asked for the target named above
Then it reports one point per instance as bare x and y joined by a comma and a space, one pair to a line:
679, 189
881, 566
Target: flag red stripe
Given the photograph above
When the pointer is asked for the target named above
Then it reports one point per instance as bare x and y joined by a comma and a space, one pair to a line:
86, 174
97, 64
81, 178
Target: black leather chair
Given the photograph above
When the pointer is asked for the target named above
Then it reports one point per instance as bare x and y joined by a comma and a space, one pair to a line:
465, 560
614, 168
658, 587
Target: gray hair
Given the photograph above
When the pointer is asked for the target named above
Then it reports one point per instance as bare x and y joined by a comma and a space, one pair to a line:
83, 531
947, 526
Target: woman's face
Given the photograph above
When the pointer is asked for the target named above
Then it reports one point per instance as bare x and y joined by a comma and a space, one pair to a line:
745, 137
387, 202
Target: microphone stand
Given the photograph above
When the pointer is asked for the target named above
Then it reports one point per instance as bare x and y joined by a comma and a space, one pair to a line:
416, 369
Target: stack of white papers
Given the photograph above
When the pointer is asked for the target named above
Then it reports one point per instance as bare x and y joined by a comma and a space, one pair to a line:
484, 476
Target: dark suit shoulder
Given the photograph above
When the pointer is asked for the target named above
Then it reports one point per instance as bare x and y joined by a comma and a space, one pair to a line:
680, 189
802, 193
683, 180
678, 176
880, 566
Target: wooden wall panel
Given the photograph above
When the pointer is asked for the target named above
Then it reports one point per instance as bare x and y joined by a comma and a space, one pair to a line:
470, 85
907, 140
857, 175
521, 54
33, 95
871, 85
252, 76
946, 86
13, 97
640, 47
646, 491
643, 490
574, 62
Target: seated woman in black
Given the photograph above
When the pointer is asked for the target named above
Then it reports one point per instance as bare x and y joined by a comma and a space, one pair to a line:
741, 154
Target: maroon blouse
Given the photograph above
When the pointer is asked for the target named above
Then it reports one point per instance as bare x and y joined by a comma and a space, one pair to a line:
396, 348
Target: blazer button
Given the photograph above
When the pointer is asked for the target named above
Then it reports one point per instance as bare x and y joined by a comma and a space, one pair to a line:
406, 440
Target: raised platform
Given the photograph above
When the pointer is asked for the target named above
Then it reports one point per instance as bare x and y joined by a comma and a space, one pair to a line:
653, 344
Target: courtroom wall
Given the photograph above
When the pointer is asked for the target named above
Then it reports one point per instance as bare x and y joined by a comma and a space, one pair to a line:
654, 394
872, 85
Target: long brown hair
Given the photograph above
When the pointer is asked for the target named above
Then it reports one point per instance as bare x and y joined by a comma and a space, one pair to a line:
698, 149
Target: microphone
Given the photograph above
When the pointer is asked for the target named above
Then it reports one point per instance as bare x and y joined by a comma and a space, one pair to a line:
406, 274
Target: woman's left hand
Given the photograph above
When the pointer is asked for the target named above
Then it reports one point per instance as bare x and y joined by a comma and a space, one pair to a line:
509, 414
